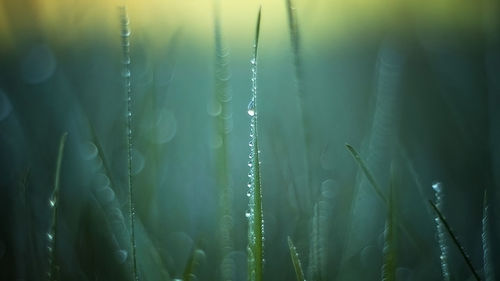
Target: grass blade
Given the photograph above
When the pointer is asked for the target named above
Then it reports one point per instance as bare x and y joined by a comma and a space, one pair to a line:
378, 191
54, 203
297, 62
254, 214
367, 172
125, 34
297, 265
488, 268
389, 266
443, 247
455, 240
314, 266
223, 123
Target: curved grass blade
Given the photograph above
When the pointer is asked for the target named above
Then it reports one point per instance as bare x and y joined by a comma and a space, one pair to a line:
378, 191
254, 214
488, 268
455, 240
297, 265
53, 273
125, 34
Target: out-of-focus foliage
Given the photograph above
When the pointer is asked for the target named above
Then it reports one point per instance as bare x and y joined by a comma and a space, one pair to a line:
408, 83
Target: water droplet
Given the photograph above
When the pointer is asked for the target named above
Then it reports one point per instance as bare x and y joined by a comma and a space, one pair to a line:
101, 180
52, 203
89, 150
247, 214
214, 108
105, 195
437, 187
228, 125
121, 256
115, 214
38, 65
125, 31
5, 106
200, 255
126, 59
251, 107
126, 73
50, 237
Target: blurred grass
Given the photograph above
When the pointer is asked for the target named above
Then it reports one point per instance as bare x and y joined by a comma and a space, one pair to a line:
62, 59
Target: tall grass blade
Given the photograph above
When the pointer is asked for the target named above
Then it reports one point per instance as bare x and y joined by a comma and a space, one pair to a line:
379, 192
297, 61
367, 172
488, 268
314, 263
455, 240
297, 265
223, 123
125, 35
443, 247
389, 265
254, 213
314, 266
53, 273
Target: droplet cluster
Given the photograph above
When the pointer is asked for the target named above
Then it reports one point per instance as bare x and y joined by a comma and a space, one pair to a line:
443, 257
126, 75
254, 211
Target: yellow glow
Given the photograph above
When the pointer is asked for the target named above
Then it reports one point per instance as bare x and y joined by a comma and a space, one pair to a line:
71, 22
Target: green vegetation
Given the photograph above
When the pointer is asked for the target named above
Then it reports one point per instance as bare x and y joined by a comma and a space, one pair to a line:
254, 213
297, 265
159, 180
53, 273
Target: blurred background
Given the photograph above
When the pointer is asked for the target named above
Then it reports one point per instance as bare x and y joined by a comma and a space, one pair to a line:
413, 85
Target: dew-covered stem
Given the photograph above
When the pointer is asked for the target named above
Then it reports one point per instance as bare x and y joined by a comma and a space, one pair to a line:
53, 273
125, 35
455, 240
295, 260
488, 267
389, 251
254, 213
443, 247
